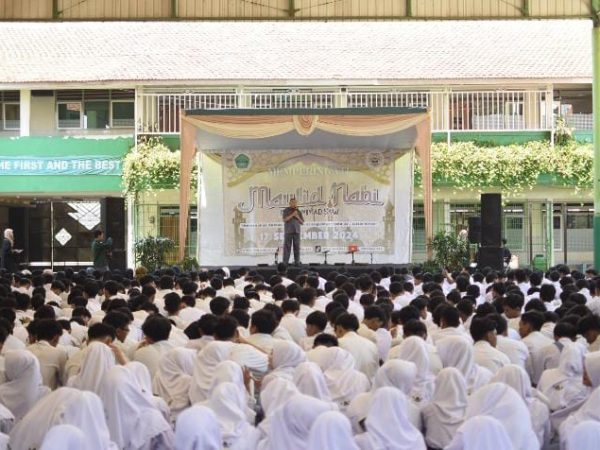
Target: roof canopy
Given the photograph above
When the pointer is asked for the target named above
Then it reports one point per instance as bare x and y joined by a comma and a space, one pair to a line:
327, 53
391, 130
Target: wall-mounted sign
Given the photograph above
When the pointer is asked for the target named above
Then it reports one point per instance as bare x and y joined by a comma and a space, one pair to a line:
61, 165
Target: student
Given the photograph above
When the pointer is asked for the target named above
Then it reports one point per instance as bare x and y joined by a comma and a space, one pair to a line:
23, 387
363, 350
262, 326
316, 323
483, 331
445, 413
295, 326
52, 359
157, 330
529, 328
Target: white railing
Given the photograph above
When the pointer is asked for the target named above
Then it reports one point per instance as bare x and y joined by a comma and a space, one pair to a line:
159, 112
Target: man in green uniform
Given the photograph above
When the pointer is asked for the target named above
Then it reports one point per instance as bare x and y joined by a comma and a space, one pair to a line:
100, 250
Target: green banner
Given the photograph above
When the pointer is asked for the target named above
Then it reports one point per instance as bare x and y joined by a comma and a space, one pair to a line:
61, 165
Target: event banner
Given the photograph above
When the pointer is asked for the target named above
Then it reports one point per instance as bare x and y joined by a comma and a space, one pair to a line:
61, 165
346, 197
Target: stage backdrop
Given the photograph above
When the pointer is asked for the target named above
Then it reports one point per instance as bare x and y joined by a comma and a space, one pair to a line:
351, 171
346, 196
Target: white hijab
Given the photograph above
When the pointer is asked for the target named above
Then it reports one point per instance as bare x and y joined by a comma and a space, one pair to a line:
96, 363
481, 433
82, 409
456, 351
23, 387
564, 385
343, 380
133, 419
388, 425
332, 431
64, 437
206, 361
588, 411
396, 373
273, 397
285, 357
517, 378
504, 404
228, 371
414, 349
228, 402
584, 436
141, 375
197, 428
173, 377
10, 235
291, 423
446, 412
309, 379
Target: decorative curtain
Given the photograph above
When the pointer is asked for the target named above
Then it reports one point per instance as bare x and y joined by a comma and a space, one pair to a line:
265, 126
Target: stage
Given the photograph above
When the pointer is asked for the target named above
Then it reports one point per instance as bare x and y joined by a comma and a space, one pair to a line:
351, 270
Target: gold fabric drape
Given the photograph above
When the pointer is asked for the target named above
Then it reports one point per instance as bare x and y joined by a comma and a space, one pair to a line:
264, 126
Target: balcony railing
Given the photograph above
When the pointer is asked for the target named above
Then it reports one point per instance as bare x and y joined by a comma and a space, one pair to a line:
451, 111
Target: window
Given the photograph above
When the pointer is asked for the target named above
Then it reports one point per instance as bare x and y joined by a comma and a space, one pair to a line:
123, 114
12, 113
69, 115
97, 115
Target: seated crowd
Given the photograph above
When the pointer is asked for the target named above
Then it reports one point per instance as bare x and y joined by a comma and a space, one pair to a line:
386, 360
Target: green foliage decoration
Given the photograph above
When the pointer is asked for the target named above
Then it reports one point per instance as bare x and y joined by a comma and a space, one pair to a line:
152, 166
151, 251
450, 252
511, 168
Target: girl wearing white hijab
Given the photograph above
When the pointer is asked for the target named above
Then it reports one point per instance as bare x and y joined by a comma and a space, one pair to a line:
96, 363
133, 419
272, 397
64, 437
309, 379
589, 410
204, 366
481, 433
343, 380
291, 423
82, 409
284, 359
23, 387
400, 375
388, 426
228, 402
141, 375
332, 431
504, 404
517, 378
584, 436
456, 351
173, 377
446, 411
564, 386
197, 428
414, 349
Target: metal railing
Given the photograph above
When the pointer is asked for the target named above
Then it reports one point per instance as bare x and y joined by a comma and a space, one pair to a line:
580, 122
456, 111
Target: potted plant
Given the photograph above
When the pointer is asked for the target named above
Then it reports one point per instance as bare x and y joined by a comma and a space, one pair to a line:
150, 251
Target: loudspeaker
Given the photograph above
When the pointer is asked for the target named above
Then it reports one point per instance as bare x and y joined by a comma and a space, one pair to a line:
113, 218
490, 257
491, 220
474, 230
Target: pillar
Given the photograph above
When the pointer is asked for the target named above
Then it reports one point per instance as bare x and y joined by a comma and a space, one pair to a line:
550, 232
25, 112
596, 96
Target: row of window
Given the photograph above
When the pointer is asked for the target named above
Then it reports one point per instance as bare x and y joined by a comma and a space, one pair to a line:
96, 114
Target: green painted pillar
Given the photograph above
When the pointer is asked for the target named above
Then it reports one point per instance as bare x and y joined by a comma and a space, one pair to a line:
550, 232
596, 92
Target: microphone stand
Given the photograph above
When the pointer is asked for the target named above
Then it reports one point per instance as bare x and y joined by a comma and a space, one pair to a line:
277, 256
325, 253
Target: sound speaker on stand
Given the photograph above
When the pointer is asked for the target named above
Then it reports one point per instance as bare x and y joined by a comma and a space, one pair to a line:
490, 252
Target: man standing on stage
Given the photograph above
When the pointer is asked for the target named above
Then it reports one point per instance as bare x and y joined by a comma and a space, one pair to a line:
292, 219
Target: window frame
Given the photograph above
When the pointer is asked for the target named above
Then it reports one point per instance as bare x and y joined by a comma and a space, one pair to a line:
81, 114
4, 127
111, 113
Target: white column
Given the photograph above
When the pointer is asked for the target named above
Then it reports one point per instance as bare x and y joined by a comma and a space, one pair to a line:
25, 112
130, 232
